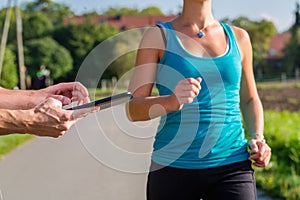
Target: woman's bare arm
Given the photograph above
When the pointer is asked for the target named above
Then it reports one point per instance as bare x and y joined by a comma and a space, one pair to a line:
144, 106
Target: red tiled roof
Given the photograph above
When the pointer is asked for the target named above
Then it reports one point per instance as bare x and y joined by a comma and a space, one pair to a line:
123, 22
277, 44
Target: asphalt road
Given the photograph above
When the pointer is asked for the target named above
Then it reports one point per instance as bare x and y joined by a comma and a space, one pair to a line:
102, 158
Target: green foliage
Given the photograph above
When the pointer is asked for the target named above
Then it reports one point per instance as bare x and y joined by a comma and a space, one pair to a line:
82, 38
260, 33
54, 11
48, 52
132, 11
282, 177
36, 25
9, 74
12, 28
120, 66
125, 58
121, 11
151, 11
91, 14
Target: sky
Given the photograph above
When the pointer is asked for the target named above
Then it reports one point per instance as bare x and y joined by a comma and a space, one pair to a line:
280, 12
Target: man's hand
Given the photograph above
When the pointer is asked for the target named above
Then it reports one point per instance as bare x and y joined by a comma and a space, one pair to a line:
49, 119
64, 92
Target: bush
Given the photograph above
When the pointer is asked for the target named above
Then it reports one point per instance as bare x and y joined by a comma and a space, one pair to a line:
48, 52
9, 74
282, 177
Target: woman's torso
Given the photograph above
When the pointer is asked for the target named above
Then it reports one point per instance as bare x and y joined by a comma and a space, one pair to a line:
209, 131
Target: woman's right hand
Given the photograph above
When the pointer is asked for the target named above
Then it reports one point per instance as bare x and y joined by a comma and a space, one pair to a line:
185, 92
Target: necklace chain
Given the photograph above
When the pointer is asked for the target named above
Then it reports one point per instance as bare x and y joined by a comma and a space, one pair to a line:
201, 34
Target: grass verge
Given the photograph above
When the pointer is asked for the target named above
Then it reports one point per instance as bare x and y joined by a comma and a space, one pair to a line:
281, 179
10, 142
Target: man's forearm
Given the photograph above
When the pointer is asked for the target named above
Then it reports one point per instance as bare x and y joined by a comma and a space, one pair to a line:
13, 121
17, 99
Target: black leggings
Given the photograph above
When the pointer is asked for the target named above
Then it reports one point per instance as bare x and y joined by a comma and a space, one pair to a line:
234, 182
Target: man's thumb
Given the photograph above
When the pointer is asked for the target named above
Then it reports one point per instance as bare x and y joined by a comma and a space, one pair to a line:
63, 99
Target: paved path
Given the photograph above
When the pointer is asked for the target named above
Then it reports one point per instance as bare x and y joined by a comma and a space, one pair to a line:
69, 168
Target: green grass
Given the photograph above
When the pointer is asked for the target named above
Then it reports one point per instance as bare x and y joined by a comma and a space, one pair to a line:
282, 177
100, 93
10, 142
278, 85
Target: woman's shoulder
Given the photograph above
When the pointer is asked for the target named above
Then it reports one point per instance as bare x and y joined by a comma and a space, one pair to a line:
243, 41
240, 34
153, 37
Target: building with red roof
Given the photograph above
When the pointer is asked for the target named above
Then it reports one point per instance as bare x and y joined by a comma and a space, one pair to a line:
274, 60
277, 45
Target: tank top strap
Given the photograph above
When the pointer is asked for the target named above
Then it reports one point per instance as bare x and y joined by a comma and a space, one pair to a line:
233, 46
171, 36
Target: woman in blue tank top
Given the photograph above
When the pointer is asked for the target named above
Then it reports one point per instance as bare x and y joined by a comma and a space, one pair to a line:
203, 72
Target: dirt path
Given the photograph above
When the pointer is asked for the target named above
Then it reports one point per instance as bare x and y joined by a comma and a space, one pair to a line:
280, 97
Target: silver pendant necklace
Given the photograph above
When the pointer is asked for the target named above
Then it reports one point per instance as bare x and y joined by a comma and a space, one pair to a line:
201, 33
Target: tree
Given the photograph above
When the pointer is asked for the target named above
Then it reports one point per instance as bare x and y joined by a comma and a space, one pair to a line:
36, 25
292, 53
9, 75
121, 11
12, 28
132, 11
151, 11
91, 14
48, 52
125, 60
260, 33
55, 11
120, 66
80, 39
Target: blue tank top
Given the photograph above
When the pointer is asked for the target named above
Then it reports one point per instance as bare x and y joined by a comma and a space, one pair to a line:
209, 131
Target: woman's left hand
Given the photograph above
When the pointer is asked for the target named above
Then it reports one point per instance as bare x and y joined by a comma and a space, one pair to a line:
261, 153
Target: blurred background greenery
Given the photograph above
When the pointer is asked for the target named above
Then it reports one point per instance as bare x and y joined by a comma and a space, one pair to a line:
62, 47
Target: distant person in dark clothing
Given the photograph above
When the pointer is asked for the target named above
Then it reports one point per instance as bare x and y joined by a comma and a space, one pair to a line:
41, 79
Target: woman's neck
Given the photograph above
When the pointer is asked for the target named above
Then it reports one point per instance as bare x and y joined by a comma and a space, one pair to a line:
196, 13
